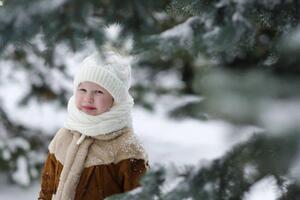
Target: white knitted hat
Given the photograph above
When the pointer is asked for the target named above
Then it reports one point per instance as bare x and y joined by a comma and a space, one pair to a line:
110, 70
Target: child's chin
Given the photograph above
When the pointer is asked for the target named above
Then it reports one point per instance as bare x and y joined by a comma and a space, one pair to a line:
89, 112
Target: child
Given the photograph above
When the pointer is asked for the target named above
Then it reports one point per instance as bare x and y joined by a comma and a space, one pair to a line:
96, 154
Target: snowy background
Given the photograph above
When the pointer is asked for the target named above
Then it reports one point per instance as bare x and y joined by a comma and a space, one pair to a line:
168, 141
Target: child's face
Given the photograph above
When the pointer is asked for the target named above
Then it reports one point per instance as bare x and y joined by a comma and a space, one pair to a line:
92, 98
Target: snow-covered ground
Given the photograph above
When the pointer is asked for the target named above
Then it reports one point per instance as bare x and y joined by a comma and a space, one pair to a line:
170, 141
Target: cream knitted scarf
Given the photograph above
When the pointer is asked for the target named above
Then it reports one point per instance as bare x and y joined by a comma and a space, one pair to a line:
73, 167
118, 117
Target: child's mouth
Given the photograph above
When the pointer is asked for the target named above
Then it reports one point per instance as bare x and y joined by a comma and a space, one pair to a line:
88, 107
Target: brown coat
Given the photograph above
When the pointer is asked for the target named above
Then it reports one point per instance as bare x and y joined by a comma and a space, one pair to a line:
103, 174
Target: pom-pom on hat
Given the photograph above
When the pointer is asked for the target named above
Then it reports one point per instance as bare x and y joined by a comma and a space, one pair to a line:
110, 70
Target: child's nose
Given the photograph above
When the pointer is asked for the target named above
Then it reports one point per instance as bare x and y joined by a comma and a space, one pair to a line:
89, 98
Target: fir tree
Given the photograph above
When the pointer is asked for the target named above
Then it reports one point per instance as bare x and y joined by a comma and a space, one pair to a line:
231, 176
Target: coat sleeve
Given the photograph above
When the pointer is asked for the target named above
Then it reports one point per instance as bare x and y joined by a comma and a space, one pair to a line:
130, 172
48, 178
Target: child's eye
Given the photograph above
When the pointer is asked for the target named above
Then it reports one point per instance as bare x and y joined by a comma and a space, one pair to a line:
98, 92
82, 89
